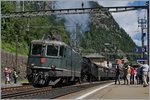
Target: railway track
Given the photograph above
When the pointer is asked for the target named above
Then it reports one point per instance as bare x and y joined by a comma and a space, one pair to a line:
22, 91
7, 89
30, 92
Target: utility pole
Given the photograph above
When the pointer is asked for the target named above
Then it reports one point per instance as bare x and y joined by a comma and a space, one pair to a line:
17, 6
142, 23
17, 33
23, 6
16, 60
147, 3
77, 36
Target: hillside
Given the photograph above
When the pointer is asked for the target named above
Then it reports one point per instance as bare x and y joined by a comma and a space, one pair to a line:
105, 35
29, 28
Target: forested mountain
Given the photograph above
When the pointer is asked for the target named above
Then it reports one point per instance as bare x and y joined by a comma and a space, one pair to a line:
104, 34
29, 28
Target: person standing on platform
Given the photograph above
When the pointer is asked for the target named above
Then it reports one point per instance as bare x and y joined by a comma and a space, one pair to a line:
135, 76
145, 73
117, 77
125, 74
132, 75
10, 72
15, 75
7, 73
128, 75
139, 73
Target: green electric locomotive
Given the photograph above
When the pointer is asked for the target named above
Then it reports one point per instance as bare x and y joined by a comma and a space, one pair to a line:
52, 62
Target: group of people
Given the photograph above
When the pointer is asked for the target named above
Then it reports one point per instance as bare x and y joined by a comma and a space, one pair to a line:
133, 75
9, 74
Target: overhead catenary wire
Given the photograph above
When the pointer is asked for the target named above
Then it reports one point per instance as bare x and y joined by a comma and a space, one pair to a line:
69, 11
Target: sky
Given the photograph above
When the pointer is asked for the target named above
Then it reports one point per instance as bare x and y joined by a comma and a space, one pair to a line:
128, 20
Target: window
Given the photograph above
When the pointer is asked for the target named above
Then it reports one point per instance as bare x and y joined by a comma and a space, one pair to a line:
61, 51
36, 49
52, 50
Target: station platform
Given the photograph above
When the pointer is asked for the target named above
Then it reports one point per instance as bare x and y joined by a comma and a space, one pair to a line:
112, 91
125, 92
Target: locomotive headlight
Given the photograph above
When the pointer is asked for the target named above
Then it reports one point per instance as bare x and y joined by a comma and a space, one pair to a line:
53, 67
32, 65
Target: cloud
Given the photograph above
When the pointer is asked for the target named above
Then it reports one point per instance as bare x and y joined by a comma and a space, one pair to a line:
138, 42
111, 3
127, 20
137, 36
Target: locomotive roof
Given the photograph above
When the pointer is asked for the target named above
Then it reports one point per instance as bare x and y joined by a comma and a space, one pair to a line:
48, 42
51, 42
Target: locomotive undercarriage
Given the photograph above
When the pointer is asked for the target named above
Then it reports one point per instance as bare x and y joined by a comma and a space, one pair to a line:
40, 77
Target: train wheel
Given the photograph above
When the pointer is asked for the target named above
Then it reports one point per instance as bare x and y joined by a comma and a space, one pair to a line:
46, 82
29, 77
42, 82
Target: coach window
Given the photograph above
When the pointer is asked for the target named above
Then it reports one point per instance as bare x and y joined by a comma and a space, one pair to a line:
52, 50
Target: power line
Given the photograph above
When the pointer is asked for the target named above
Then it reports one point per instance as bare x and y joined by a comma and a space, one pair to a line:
71, 11
67, 16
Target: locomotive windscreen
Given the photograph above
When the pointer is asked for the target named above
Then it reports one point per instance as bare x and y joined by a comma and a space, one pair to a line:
36, 49
52, 50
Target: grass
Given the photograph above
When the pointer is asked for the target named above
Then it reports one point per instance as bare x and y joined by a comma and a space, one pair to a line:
22, 49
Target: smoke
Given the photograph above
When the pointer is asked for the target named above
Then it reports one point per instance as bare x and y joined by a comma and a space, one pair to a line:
74, 21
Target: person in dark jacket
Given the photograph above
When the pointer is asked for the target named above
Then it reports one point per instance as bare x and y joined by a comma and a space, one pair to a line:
125, 74
117, 76
139, 74
15, 75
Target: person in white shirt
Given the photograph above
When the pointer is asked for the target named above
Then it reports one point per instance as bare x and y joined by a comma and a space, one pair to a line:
145, 71
135, 75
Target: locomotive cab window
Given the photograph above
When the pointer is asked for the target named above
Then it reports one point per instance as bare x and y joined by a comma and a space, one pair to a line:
36, 49
52, 50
